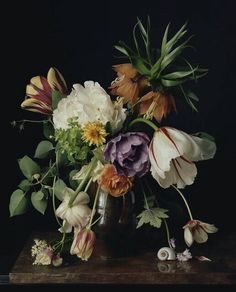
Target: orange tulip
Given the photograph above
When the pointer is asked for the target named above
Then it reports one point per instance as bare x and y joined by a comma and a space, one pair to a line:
128, 84
113, 183
39, 92
157, 105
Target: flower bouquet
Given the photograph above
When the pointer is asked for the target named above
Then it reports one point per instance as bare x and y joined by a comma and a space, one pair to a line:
93, 144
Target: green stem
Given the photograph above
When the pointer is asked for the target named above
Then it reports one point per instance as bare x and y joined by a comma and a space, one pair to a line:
63, 241
185, 202
57, 160
165, 222
88, 184
145, 121
83, 182
46, 174
31, 121
144, 196
53, 200
94, 206
167, 232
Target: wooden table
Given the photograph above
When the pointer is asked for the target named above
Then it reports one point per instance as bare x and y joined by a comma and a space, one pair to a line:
140, 269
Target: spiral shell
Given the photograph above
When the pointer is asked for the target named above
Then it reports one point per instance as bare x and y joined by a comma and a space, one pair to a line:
166, 254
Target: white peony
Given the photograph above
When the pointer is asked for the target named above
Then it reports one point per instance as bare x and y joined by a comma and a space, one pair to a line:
90, 103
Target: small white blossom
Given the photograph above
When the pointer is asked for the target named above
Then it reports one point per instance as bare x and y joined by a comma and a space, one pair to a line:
38, 246
184, 256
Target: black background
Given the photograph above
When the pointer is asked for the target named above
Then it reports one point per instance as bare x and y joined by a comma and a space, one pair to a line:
78, 37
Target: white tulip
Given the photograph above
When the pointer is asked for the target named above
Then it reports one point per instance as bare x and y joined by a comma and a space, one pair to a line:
172, 153
76, 215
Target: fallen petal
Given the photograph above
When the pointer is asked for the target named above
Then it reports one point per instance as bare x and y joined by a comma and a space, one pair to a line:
203, 259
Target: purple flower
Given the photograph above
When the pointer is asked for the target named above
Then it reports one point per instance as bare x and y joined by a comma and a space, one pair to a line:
129, 153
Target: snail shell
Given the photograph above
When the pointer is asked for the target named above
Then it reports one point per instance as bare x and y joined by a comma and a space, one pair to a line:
166, 254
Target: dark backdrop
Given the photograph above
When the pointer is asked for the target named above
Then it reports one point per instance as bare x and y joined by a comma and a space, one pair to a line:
78, 39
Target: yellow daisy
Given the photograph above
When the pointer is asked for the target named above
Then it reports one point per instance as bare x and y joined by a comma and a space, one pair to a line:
94, 133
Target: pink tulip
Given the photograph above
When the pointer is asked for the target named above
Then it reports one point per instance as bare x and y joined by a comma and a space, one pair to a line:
83, 244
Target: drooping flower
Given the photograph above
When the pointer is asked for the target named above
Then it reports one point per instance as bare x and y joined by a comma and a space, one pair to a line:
129, 83
184, 256
76, 215
172, 153
196, 230
113, 183
83, 244
39, 92
157, 105
94, 133
129, 153
86, 104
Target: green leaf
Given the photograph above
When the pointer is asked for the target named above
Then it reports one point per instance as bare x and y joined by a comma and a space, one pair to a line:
179, 74
43, 149
156, 68
73, 183
29, 167
109, 128
122, 50
24, 185
128, 49
164, 40
205, 136
192, 95
18, 203
171, 83
56, 97
152, 217
135, 39
176, 38
173, 54
142, 29
48, 130
188, 100
140, 66
39, 200
59, 189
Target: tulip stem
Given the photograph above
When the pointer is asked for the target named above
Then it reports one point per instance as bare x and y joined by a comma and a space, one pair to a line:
88, 184
83, 182
167, 232
145, 121
158, 205
185, 201
94, 206
53, 200
63, 241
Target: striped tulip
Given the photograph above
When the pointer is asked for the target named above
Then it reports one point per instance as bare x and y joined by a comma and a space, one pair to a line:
39, 92
172, 153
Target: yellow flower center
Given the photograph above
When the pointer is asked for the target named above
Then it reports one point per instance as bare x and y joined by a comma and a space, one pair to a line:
94, 133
